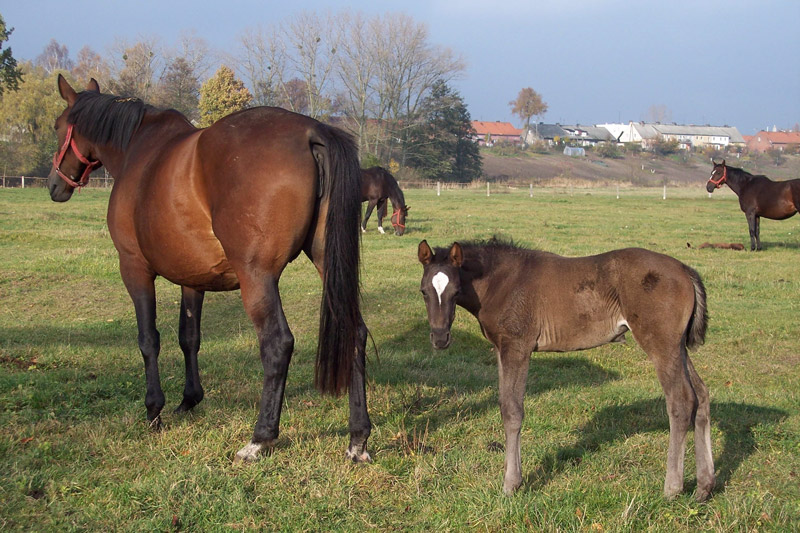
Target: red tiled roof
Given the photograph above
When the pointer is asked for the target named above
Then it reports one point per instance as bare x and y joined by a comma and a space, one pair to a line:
781, 137
495, 128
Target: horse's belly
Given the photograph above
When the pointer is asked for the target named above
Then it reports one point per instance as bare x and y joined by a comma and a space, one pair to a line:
193, 262
588, 335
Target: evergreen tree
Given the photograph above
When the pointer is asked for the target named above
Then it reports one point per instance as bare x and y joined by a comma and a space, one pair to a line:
441, 146
221, 95
10, 75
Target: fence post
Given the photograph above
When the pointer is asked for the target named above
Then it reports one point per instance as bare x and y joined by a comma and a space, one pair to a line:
617, 191
487, 188
438, 188
531, 190
23, 182
664, 197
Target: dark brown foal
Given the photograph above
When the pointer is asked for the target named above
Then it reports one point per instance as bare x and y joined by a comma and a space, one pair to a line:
530, 301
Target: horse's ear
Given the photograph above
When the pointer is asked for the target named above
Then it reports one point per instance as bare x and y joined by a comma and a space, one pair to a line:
66, 91
424, 253
456, 255
93, 86
723, 163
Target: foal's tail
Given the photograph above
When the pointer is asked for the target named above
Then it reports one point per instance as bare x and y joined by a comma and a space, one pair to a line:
698, 323
340, 314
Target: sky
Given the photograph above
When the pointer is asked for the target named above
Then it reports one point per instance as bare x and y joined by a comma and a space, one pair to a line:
731, 62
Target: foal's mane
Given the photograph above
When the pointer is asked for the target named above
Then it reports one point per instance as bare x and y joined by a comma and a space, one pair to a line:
107, 119
480, 256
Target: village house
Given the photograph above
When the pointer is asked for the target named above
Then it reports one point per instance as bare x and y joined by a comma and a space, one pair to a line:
489, 133
687, 136
768, 140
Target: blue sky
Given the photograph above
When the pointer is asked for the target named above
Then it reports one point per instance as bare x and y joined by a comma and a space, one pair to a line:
732, 62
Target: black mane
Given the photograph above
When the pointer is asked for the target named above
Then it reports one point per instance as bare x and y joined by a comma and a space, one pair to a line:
480, 255
107, 119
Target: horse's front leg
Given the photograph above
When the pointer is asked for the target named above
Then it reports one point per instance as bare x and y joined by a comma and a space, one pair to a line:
276, 342
751, 225
758, 233
360, 425
512, 366
189, 339
139, 281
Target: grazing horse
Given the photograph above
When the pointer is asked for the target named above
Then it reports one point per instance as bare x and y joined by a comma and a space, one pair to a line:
378, 185
759, 196
219, 209
528, 301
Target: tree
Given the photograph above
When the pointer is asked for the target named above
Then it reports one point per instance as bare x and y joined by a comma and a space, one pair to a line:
221, 95
441, 144
659, 113
10, 74
179, 88
90, 65
54, 57
528, 104
135, 73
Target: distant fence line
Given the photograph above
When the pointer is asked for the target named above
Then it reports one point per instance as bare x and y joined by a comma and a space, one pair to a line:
24, 182
486, 188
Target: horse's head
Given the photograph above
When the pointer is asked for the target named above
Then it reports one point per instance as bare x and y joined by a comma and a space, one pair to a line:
399, 220
441, 285
74, 155
718, 176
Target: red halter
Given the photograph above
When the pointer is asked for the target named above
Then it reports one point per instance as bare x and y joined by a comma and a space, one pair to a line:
720, 181
58, 158
397, 224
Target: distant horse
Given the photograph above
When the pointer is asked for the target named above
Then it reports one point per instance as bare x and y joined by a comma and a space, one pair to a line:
219, 209
528, 301
759, 196
378, 185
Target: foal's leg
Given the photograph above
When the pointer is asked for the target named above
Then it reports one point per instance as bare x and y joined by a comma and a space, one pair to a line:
189, 339
702, 436
140, 284
682, 404
263, 305
512, 364
370, 206
381, 213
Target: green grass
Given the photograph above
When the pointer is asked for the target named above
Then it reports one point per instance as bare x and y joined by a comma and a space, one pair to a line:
76, 453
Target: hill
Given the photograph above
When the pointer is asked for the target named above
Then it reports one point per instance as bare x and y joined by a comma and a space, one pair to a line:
639, 170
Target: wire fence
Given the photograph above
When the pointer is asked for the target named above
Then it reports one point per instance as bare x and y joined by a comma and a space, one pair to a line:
487, 188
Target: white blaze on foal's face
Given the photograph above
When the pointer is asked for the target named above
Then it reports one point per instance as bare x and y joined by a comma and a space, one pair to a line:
440, 281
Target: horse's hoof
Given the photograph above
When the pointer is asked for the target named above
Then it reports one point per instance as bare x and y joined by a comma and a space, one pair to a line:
672, 492
155, 424
251, 453
363, 230
358, 457
185, 406
380, 229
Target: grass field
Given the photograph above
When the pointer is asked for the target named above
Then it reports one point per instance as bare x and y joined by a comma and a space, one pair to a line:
76, 452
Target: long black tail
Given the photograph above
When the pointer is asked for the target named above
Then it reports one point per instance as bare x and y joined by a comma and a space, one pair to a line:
340, 313
698, 323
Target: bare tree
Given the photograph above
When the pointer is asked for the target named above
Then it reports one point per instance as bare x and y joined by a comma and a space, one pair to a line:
528, 104
263, 63
135, 67
659, 113
90, 64
54, 57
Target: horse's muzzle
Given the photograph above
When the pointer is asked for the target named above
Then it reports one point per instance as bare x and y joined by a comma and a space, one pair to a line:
440, 338
710, 187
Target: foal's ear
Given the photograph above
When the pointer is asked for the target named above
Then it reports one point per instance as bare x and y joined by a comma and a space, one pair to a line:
93, 85
66, 91
424, 253
456, 255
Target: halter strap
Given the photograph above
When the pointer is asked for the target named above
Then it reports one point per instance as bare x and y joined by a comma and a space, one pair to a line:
724, 177
58, 158
397, 224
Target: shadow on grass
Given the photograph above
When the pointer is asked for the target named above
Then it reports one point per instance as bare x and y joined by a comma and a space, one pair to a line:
616, 423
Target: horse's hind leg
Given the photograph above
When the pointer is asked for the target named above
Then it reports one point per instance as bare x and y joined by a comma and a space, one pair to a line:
359, 423
752, 221
189, 339
139, 282
370, 206
702, 436
758, 233
682, 404
276, 342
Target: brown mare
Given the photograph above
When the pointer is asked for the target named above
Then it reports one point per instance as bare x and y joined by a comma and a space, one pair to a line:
759, 196
378, 185
223, 208
528, 301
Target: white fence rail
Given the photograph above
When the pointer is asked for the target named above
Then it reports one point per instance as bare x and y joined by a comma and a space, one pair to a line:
24, 182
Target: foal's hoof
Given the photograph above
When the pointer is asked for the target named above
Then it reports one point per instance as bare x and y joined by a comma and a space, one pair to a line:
252, 452
702, 494
672, 492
